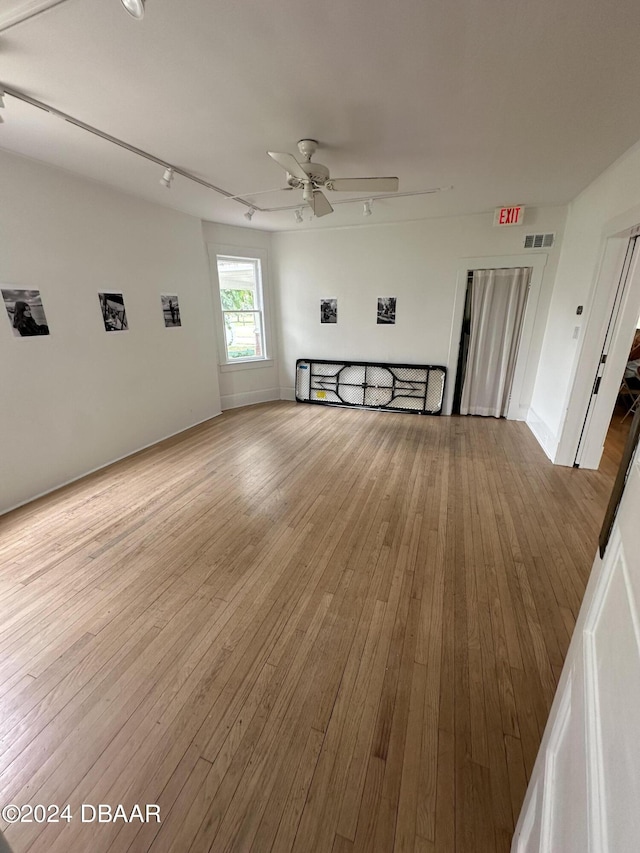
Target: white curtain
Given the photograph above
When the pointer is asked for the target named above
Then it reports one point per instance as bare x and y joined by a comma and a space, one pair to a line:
498, 298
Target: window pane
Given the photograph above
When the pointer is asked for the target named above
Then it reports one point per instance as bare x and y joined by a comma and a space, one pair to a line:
238, 284
243, 334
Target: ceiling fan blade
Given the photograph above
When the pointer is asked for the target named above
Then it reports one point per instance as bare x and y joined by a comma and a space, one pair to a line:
363, 185
289, 164
320, 204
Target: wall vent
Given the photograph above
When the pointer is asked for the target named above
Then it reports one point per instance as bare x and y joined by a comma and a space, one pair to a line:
539, 241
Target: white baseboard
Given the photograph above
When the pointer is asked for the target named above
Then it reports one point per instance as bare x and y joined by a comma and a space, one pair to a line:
248, 398
519, 413
105, 465
547, 440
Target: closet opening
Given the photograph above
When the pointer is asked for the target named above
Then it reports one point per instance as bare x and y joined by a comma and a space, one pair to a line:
492, 322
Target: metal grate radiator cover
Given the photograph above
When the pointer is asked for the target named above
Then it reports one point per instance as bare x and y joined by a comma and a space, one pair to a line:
397, 387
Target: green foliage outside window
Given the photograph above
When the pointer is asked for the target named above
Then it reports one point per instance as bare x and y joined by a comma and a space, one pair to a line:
237, 300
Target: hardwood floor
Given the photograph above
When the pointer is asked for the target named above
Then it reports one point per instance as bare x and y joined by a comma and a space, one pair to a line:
294, 628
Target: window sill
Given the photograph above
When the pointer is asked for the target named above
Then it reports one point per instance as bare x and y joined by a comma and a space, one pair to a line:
227, 367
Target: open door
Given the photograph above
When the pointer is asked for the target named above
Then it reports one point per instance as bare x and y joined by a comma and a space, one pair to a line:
618, 335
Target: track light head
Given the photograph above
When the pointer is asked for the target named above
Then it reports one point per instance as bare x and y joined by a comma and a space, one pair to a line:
166, 179
367, 208
249, 214
135, 8
1, 96
298, 215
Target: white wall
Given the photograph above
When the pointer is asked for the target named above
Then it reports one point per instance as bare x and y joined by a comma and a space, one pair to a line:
244, 384
609, 204
81, 397
417, 262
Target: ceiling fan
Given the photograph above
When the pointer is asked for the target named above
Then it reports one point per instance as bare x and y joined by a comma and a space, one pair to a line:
310, 177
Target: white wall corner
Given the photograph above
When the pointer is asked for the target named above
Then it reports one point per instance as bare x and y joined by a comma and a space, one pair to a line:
249, 398
520, 413
545, 437
288, 394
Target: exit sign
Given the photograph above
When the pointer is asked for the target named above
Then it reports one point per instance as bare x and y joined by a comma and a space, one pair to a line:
508, 216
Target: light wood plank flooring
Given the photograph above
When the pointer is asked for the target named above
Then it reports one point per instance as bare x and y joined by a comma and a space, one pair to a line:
294, 628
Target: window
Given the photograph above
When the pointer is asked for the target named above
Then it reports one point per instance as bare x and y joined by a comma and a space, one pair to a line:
240, 281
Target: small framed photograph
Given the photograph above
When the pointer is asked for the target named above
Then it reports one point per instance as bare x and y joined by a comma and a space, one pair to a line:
328, 310
386, 310
26, 313
170, 310
114, 315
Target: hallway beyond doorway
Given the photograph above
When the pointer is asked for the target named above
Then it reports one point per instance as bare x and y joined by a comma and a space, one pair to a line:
615, 441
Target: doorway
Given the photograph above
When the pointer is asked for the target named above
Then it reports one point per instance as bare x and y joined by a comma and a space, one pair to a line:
606, 413
492, 323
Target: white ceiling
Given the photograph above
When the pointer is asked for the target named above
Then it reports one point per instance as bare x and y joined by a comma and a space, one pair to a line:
510, 102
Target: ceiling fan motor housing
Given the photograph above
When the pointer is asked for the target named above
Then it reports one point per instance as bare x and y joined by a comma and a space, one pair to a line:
317, 173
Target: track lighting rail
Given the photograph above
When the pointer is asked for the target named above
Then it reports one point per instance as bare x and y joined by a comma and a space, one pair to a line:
27, 99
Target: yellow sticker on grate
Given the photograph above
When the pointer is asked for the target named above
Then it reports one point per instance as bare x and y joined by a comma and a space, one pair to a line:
321, 395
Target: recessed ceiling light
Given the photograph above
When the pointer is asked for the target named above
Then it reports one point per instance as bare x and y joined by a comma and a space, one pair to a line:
134, 7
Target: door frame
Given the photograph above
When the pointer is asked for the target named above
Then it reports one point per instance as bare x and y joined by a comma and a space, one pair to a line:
622, 322
518, 409
615, 240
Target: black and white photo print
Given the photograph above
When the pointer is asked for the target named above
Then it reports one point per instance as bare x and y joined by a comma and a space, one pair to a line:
386, 310
170, 309
26, 312
114, 315
328, 310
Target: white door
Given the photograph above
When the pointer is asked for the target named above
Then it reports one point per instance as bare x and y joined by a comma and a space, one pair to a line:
584, 792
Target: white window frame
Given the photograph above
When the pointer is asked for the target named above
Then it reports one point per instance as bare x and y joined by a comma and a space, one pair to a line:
247, 254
